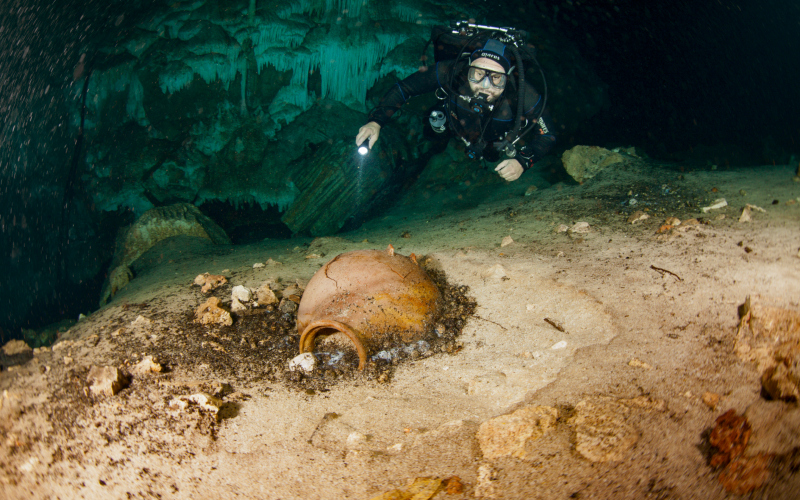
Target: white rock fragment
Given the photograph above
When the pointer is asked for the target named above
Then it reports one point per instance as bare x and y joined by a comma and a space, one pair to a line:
506, 241
497, 271
105, 380
745, 217
746, 212
559, 345
580, 227
258, 265
241, 293
562, 228
305, 362
146, 366
718, 203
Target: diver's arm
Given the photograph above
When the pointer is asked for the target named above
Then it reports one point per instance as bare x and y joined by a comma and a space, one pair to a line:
421, 82
535, 144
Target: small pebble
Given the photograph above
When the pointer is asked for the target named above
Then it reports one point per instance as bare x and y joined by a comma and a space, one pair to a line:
305, 362
711, 399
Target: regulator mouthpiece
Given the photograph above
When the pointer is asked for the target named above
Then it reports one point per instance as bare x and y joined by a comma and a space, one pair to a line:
363, 149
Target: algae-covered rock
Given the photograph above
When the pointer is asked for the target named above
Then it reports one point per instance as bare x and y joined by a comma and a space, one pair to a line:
584, 162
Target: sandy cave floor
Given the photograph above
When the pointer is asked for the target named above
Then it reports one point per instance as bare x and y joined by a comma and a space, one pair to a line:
650, 326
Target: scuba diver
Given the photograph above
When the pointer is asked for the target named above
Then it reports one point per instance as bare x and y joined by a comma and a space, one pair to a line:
484, 101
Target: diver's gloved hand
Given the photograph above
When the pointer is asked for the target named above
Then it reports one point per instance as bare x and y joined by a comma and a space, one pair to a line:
509, 170
369, 131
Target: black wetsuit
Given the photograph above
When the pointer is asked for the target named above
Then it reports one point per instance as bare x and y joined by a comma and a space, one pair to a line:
465, 123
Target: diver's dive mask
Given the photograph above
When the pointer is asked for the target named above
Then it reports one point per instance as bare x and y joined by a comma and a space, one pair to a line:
485, 77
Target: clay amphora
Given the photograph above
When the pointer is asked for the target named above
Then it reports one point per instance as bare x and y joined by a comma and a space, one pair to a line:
370, 296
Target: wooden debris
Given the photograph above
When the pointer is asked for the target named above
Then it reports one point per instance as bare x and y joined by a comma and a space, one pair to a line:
555, 324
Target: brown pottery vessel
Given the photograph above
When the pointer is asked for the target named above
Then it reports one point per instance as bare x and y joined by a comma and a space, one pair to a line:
372, 297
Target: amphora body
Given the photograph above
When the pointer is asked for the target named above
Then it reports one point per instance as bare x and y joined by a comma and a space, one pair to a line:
371, 297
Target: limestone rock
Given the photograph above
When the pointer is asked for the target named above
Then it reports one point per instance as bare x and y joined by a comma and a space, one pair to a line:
769, 336
236, 306
637, 216
200, 400
146, 366
776, 427
209, 282
265, 295
584, 162
105, 380
506, 241
509, 435
153, 226
602, 432
210, 313
15, 352
287, 306
13, 347
782, 381
486, 483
